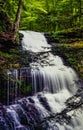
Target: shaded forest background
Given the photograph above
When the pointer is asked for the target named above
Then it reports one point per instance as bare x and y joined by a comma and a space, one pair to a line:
45, 15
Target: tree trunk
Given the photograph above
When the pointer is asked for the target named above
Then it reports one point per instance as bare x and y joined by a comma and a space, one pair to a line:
81, 12
17, 21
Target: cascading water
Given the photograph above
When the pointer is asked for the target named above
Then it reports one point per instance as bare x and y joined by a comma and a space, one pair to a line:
55, 82
41, 112
48, 71
36, 42
53, 78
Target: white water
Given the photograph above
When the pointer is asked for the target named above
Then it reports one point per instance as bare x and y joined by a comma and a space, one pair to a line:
54, 79
48, 74
34, 41
31, 111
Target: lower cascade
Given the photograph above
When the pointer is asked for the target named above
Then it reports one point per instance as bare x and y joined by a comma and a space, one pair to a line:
43, 111
54, 89
53, 78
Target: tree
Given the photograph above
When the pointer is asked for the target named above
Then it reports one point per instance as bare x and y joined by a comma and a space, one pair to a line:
10, 27
17, 21
45, 15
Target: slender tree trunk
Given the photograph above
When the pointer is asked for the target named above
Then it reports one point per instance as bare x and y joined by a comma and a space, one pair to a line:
80, 11
17, 21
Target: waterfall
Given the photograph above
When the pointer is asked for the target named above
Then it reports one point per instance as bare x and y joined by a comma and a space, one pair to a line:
53, 78
34, 41
48, 72
52, 106
43, 111
17, 79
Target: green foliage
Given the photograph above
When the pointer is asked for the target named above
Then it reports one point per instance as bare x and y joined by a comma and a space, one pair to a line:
9, 6
26, 89
73, 55
67, 35
46, 15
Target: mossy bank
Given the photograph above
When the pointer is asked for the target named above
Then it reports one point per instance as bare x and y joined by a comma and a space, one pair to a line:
72, 55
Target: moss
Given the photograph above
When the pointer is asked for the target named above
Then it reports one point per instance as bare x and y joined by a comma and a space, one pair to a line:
67, 36
72, 54
10, 59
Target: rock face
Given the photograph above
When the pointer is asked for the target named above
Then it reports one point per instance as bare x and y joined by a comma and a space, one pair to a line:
39, 112
4, 36
6, 40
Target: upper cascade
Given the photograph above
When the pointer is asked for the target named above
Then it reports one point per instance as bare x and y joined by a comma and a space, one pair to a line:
34, 41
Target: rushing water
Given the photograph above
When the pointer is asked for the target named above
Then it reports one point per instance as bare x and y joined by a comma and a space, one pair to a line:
33, 113
53, 79
48, 71
34, 41
52, 84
